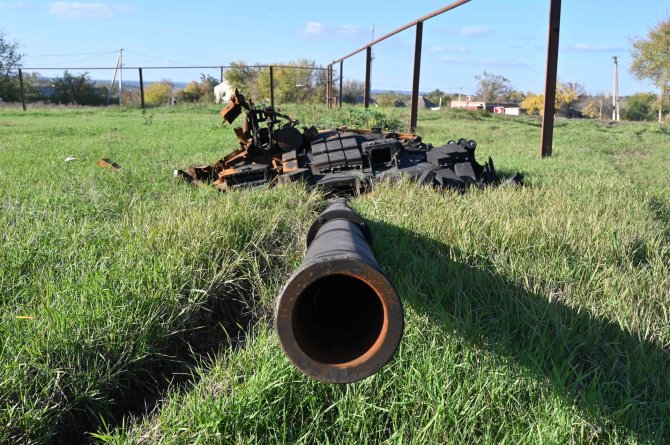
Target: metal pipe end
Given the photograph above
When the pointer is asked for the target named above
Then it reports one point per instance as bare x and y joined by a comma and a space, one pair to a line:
339, 321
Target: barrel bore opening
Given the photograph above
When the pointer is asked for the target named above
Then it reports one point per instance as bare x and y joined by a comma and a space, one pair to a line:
337, 319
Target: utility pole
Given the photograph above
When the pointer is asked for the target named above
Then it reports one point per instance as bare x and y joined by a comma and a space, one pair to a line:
121, 77
615, 99
111, 85
372, 35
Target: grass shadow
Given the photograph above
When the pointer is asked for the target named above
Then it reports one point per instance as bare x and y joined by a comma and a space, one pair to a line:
220, 322
616, 376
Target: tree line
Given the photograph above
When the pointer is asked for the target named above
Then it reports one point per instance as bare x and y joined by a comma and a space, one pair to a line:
301, 81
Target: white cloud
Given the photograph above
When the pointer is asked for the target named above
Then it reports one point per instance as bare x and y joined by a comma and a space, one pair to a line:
585, 47
314, 29
81, 10
13, 5
442, 49
474, 31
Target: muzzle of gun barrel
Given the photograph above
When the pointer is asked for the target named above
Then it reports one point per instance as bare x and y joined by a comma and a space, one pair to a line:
339, 319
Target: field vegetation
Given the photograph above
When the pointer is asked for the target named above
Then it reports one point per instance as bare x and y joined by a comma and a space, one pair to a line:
137, 309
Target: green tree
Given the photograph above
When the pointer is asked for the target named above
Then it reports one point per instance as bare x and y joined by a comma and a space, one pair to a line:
352, 89
493, 87
191, 92
516, 96
642, 107
71, 89
567, 95
437, 94
158, 93
651, 61
243, 77
10, 62
298, 81
206, 87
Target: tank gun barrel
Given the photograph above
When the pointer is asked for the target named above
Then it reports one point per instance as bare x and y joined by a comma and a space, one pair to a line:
339, 318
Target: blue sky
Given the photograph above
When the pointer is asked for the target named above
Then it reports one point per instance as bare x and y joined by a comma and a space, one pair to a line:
505, 37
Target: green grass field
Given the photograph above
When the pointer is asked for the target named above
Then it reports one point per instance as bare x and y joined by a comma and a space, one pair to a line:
137, 309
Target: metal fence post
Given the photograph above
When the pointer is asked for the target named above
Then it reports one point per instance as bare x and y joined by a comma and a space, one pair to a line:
272, 87
368, 67
550, 83
341, 77
417, 74
221, 75
23, 92
141, 88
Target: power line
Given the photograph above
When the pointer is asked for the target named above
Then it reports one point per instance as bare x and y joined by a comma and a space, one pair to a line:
70, 55
88, 58
158, 58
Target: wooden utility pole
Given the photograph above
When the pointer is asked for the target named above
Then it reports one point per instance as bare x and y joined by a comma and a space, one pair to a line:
121, 77
615, 98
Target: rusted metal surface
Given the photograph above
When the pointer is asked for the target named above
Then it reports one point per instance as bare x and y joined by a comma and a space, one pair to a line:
108, 163
339, 102
339, 160
339, 318
550, 82
417, 75
368, 74
141, 88
23, 91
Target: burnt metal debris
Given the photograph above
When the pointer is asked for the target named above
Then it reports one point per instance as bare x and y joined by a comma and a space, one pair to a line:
339, 160
339, 319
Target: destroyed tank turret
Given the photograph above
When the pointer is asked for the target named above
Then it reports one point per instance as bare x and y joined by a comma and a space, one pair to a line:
338, 160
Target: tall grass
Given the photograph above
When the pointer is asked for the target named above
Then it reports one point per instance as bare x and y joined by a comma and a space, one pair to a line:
533, 315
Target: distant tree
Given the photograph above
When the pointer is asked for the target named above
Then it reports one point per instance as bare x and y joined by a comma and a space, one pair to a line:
493, 87
534, 103
651, 61
206, 87
10, 61
191, 92
516, 96
567, 95
158, 93
435, 96
352, 89
593, 107
642, 107
243, 77
392, 99
298, 81
72, 89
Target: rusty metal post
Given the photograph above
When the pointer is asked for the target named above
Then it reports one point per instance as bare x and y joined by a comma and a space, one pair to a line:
341, 77
141, 88
329, 87
417, 74
550, 83
332, 86
272, 87
368, 68
23, 92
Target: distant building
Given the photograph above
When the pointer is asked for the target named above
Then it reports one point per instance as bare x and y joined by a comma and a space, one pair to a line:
468, 105
511, 109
